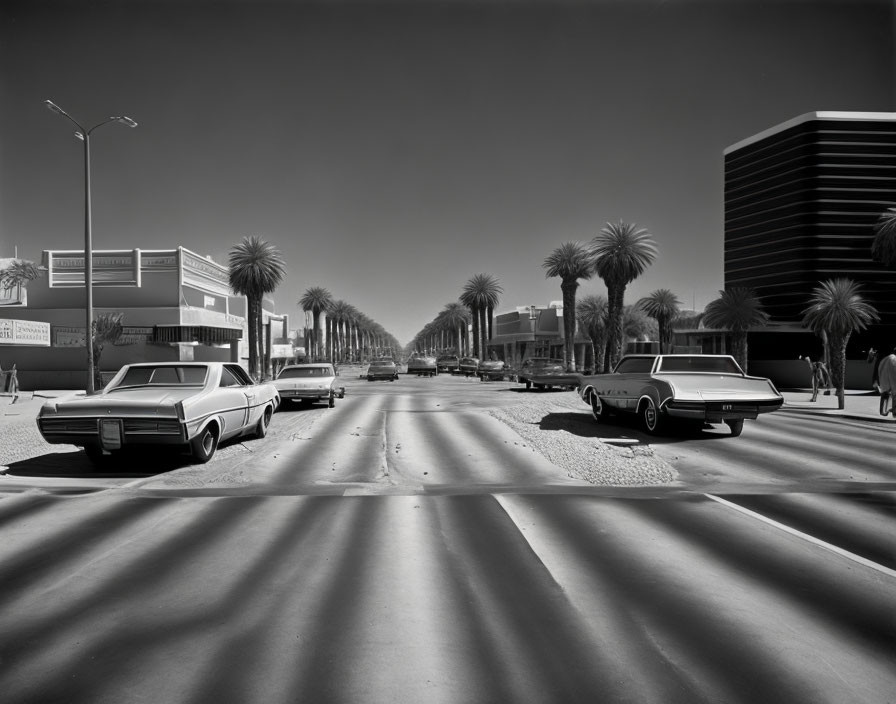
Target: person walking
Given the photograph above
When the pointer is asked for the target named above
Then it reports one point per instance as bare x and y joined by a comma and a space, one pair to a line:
886, 380
820, 377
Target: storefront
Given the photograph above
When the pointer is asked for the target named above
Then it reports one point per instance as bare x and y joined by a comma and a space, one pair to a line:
175, 306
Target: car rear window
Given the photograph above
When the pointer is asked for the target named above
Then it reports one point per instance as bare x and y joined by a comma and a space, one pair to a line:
723, 365
164, 376
302, 372
382, 364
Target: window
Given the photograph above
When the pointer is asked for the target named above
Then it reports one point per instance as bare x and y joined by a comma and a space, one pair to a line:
164, 376
635, 365
718, 365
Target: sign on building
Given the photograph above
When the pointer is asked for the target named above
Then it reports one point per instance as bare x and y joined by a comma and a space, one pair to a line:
24, 332
65, 268
66, 336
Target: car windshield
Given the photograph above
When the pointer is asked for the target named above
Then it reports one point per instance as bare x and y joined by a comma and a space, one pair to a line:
723, 365
302, 372
164, 376
635, 365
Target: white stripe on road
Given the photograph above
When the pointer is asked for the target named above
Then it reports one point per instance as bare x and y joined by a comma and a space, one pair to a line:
805, 536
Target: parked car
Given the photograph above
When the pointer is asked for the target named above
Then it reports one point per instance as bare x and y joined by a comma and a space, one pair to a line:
492, 370
307, 383
468, 366
447, 363
422, 365
694, 387
382, 369
544, 367
189, 404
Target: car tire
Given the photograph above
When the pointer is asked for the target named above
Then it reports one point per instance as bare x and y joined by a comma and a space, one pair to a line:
261, 428
528, 384
597, 408
651, 419
332, 402
203, 446
737, 426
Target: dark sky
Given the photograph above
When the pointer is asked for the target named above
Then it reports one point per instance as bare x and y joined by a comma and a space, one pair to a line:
393, 150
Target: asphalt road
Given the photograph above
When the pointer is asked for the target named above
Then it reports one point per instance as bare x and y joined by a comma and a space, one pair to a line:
408, 546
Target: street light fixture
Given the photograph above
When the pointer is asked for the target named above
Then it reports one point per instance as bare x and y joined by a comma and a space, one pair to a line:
84, 135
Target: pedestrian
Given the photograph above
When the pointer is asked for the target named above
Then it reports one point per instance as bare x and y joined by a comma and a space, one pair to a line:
886, 380
820, 377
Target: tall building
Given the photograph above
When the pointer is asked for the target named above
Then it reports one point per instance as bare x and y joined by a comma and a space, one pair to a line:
801, 202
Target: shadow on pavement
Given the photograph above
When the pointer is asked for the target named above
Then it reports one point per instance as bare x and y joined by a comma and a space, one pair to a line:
583, 425
77, 464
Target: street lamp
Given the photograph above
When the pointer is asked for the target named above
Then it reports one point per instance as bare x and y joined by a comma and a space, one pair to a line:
84, 135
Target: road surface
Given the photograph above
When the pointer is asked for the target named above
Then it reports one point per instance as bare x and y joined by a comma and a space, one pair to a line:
410, 546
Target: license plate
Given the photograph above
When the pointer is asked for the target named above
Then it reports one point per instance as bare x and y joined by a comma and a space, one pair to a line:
110, 434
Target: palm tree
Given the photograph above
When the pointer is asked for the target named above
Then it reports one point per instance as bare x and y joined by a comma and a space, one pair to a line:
591, 313
883, 248
621, 253
480, 295
315, 300
838, 309
106, 329
663, 306
256, 268
19, 272
457, 317
570, 262
737, 310
637, 325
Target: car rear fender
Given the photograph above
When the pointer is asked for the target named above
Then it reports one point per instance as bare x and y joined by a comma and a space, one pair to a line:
659, 396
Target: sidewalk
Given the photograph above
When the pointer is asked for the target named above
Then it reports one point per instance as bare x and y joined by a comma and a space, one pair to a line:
861, 405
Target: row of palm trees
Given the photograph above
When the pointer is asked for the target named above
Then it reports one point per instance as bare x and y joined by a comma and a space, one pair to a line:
348, 334
256, 268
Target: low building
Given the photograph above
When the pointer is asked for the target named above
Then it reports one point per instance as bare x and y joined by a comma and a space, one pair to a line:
533, 331
176, 306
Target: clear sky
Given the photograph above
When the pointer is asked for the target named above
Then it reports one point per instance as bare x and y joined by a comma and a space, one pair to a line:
393, 150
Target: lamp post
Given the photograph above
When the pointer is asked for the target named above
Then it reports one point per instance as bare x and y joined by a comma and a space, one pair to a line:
84, 135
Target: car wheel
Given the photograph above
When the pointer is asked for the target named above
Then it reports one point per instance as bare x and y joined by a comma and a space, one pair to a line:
261, 429
736, 426
203, 446
332, 402
597, 408
528, 384
650, 417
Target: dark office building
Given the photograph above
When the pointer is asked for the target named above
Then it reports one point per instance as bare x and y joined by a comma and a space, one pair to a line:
801, 202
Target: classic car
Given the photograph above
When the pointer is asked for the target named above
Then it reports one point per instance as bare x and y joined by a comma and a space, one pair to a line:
545, 368
382, 369
492, 370
701, 388
189, 404
468, 366
447, 363
307, 383
422, 365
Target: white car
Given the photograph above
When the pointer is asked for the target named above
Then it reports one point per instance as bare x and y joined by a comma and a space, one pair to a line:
307, 383
152, 404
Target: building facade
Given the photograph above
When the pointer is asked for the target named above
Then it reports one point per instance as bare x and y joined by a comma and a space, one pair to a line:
801, 203
176, 306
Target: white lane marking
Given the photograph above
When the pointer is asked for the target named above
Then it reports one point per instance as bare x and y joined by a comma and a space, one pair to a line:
805, 536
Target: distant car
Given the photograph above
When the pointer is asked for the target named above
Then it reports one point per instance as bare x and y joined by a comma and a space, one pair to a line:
382, 369
422, 365
189, 404
307, 383
447, 363
468, 366
695, 387
543, 367
492, 370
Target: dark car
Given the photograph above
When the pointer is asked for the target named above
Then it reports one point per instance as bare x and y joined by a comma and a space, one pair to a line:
447, 363
422, 365
382, 369
492, 370
542, 367
468, 366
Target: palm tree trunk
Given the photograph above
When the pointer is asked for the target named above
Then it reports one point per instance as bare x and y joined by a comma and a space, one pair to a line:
568, 289
838, 366
253, 336
476, 337
615, 298
483, 330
